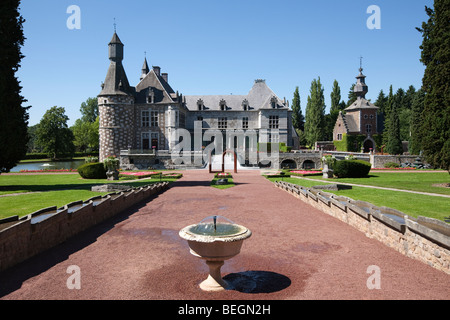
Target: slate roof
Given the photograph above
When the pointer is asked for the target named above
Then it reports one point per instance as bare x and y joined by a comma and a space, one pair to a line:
350, 124
259, 97
116, 81
152, 81
361, 103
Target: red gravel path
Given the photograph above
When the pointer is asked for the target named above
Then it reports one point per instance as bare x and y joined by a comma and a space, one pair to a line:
295, 252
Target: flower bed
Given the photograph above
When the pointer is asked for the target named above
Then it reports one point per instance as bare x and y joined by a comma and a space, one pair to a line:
407, 168
139, 175
147, 174
223, 175
48, 170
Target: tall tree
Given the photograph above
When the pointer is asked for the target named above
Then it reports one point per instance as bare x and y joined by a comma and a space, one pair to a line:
381, 102
387, 113
334, 110
298, 120
89, 110
393, 142
53, 135
409, 96
415, 140
86, 135
315, 113
399, 98
86, 129
14, 117
351, 96
435, 56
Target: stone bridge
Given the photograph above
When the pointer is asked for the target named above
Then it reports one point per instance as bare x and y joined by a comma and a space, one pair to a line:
295, 160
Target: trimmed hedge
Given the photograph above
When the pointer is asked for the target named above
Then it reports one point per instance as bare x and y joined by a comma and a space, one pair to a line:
92, 171
352, 169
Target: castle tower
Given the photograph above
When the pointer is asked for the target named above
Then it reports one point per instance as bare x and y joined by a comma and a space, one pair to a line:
361, 87
144, 69
116, 105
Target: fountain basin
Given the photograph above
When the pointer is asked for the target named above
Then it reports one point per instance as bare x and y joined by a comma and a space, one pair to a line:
224, 244
215, 243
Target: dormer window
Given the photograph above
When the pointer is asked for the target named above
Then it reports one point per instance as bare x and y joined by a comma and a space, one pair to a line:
200, 104
151, 96
245, 105
273, 102
223, 105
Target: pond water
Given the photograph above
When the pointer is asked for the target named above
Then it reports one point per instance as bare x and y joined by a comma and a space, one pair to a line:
74, 164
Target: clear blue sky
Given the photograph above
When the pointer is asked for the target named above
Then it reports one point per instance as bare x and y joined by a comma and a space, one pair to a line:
219, 47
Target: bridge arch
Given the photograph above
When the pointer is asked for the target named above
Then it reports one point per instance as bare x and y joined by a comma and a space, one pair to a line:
288, 164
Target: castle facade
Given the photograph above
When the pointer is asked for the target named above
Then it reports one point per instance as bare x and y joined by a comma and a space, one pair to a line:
144, 117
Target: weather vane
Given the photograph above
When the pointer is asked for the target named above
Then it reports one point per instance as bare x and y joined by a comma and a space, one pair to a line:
360, 62
115, 24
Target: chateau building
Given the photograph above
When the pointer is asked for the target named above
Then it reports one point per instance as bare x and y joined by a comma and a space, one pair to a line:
144, 117
360, 117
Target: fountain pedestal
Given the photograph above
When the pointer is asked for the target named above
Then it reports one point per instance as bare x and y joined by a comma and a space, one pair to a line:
215, 244
214, 281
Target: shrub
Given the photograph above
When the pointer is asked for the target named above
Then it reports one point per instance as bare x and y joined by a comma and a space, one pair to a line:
92, 171
391, 165
352, 169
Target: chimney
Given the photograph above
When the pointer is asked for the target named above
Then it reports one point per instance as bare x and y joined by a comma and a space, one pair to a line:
165, 76
157, 70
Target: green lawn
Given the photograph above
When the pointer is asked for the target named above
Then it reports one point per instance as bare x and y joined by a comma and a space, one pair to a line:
222, 186
409, 203
53, 190
416, 181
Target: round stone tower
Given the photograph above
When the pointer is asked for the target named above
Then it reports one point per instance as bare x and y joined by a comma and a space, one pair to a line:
116, 105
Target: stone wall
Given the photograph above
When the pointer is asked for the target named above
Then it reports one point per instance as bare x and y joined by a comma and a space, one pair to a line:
423, 239
23, 238
379, 161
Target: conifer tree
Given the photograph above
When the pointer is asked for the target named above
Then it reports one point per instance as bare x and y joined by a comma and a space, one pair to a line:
334, 110
351, 96
298, 120
14, 117
415, 140
435, 56
393, 143
315, 113
381, 102
387, 112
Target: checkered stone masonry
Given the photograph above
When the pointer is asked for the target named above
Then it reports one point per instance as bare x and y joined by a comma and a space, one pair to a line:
116, 124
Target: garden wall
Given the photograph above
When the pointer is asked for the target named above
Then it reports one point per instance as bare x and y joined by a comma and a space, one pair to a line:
23, 238
424, 239
379, 161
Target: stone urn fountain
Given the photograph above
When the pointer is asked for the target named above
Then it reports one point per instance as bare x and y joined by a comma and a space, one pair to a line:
215, 239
